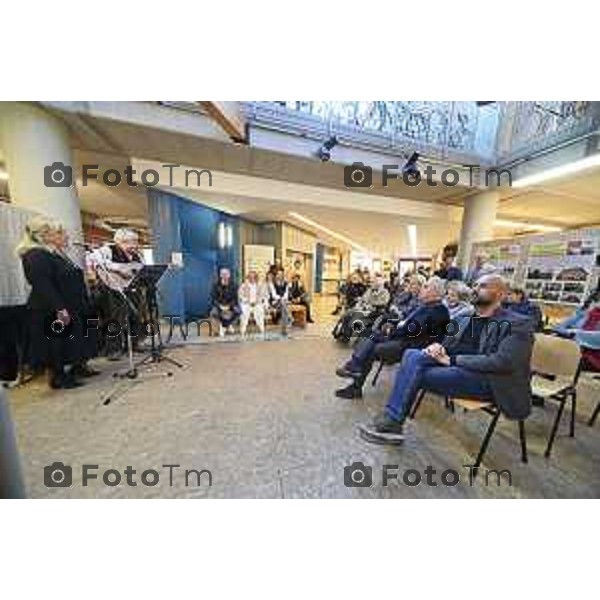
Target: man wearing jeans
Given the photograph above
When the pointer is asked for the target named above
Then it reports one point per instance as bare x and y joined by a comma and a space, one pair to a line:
488, 358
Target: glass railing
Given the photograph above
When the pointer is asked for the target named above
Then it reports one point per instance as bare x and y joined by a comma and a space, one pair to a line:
484, 132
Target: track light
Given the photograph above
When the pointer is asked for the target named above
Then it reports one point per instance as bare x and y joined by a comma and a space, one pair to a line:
324, 152
410, 169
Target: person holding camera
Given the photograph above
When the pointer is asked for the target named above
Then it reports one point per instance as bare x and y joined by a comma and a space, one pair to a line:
58, 303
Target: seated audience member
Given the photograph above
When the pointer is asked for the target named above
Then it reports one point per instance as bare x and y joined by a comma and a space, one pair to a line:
366, 276
341, 294
487, 359
276, 266
279, 299
588, 337
354, 290
298, 295
394, 285
458, 299
567, 326
407, 297
225, 302
376, 297
448, 270
424, 324
253, 297
482, 266
584, 328
518, 302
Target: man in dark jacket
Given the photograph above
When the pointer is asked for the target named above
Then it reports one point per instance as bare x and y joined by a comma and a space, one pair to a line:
425, 324
225, 302
488, 358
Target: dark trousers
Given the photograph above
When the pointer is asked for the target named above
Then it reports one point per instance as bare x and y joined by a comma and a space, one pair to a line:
418, 371
373, 347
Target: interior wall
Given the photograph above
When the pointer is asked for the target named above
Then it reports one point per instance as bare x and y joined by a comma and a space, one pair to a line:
180, 225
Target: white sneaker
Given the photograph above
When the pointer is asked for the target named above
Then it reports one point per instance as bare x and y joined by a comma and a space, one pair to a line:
230, 329
221, 331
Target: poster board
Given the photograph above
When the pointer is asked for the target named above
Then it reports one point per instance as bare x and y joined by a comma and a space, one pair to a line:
560, 268
258, 257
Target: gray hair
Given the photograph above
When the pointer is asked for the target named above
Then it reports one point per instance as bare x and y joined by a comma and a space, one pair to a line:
124, 235
437, 284
462, 290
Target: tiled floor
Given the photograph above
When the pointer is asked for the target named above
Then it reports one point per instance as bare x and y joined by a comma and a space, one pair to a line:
262, 417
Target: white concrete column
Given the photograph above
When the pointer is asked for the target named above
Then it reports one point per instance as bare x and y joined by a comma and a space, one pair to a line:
477, 223
31, 139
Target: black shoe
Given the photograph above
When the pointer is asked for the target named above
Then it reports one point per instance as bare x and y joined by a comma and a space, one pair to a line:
383, 430
84, 371
349, 393
347, 373
64, 383
310, 320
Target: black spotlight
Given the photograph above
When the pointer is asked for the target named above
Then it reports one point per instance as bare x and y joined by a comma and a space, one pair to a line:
410, 168
324, 152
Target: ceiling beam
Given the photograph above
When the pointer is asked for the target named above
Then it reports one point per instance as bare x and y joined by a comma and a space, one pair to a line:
228, 116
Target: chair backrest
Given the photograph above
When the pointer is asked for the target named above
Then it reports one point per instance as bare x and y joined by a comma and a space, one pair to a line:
554, 355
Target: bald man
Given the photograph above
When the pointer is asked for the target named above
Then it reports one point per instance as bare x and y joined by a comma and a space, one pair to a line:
484, 357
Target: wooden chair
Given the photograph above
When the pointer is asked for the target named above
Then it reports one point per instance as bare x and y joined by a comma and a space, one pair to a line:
468, 405
555, 367
298, 315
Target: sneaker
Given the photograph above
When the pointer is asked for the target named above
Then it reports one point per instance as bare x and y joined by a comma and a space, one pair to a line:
230, 329
221, 331
349, 393
383, 430
347, 373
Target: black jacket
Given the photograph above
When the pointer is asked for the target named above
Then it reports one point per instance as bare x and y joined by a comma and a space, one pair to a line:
225, 295
426, 321
504, 359
56, 282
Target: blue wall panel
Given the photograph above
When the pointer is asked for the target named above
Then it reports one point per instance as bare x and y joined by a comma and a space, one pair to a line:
164, 222
178, 224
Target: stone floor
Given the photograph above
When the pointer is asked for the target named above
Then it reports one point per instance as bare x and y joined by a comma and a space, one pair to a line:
262, 418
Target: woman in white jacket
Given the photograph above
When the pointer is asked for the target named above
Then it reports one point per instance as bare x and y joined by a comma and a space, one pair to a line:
254, 300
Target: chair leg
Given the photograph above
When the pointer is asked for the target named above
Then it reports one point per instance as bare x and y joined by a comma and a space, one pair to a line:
594, 415
485, 442
523, 438
555, 427
416, 404
573, 408
376, 377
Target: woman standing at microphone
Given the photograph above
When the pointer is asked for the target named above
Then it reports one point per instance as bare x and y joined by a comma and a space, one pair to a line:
58, 302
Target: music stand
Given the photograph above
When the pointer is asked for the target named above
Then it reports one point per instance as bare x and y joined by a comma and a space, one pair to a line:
147, 278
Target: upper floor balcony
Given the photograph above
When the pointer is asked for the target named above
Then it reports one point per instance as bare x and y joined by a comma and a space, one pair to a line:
487, 133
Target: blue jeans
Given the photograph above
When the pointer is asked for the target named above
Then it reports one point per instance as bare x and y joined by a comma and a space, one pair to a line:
418, 371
